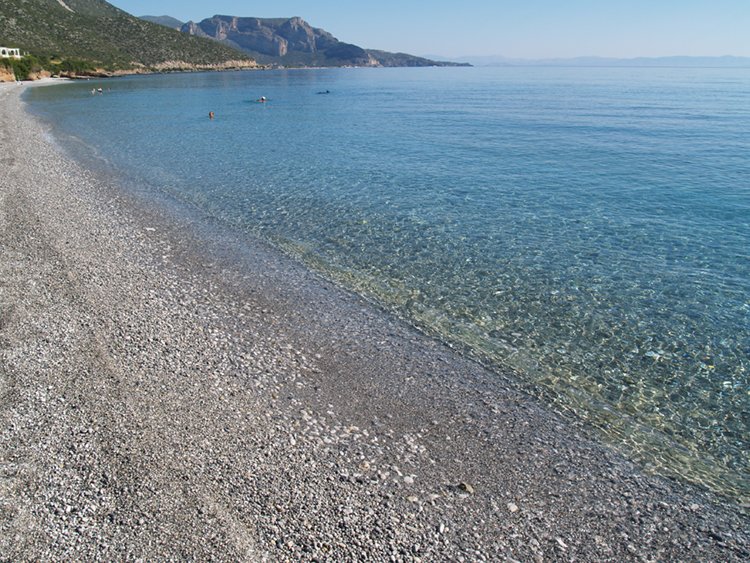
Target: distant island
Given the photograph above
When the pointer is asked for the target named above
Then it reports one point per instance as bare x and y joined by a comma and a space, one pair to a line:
664, 62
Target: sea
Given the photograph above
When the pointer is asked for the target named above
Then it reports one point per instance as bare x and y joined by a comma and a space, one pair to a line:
586, 228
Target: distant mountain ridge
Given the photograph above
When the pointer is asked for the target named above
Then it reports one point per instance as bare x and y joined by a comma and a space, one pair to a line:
294, 42
674, 61
166, 21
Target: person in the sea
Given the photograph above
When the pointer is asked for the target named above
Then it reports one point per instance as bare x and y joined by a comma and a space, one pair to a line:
262, 99
210, 115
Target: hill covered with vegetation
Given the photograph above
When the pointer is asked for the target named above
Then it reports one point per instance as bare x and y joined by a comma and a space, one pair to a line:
102, 36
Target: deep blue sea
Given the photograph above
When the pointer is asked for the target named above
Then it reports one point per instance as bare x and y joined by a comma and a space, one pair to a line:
589, 228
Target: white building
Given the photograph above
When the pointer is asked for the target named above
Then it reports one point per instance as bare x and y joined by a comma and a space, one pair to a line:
8, 53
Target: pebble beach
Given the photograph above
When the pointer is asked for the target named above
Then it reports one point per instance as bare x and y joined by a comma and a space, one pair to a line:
171, 392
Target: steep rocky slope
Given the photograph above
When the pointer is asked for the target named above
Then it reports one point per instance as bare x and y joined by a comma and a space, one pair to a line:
294, 42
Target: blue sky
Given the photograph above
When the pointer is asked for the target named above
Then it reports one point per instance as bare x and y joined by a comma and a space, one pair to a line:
512, 28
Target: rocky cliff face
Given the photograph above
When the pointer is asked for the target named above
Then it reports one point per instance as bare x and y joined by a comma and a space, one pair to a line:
6, 74
249, 34
291, 38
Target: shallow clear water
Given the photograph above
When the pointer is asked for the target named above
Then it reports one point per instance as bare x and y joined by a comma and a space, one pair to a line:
588, 227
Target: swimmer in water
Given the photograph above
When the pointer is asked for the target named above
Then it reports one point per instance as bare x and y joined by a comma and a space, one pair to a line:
262, 99
210, 115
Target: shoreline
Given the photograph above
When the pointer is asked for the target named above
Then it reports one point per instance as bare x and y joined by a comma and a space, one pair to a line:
169, 395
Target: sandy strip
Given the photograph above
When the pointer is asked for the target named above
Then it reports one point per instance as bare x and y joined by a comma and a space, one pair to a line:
164, 396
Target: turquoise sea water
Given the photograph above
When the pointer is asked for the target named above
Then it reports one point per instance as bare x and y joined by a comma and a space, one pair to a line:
588, 227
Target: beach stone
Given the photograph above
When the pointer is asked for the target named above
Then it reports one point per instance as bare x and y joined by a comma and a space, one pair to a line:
466, 487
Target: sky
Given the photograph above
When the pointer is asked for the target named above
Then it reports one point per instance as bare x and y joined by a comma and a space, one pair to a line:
529, 29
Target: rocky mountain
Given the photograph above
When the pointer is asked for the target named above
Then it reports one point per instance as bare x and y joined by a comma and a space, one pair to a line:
166, 21
294, 42
109, 38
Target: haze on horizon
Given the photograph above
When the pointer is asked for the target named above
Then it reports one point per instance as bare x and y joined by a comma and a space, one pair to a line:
532, 29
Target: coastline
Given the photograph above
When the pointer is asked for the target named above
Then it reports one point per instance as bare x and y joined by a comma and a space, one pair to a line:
166, 395
166, 66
